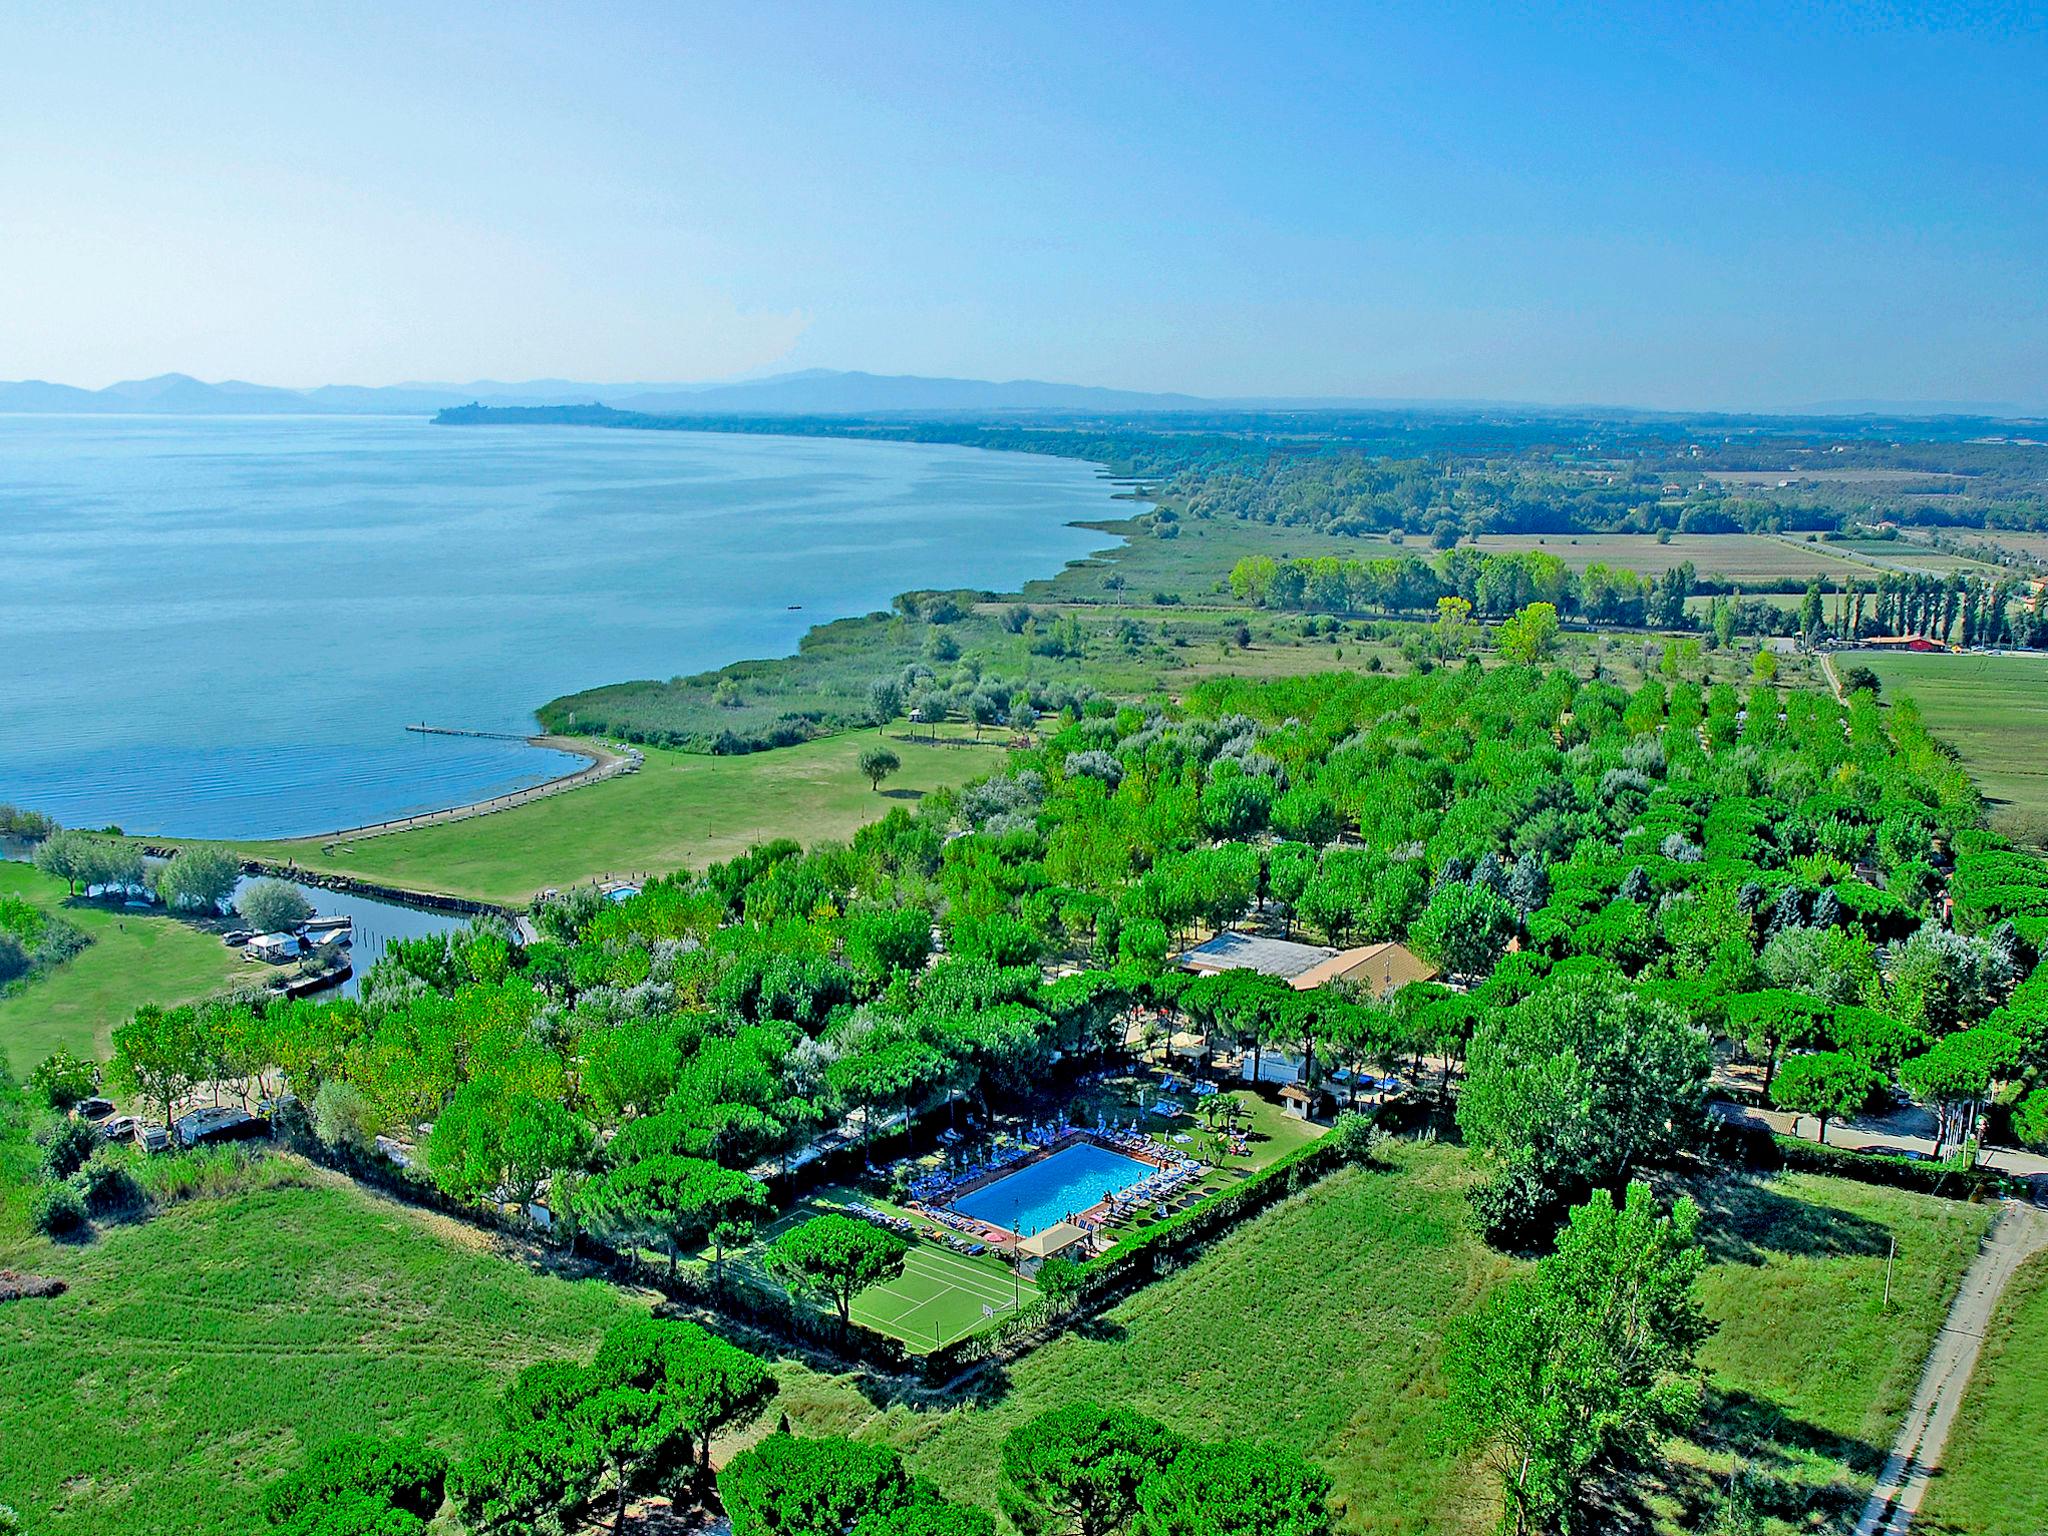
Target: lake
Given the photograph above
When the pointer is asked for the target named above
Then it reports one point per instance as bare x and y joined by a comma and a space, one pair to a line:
220, 627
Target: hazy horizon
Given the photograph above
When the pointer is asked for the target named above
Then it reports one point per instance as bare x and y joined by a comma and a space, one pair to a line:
1657, 208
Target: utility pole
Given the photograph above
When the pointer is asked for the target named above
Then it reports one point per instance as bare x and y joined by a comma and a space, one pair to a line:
1888, 1258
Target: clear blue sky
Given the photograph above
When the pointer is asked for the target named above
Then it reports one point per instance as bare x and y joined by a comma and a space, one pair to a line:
1660, 205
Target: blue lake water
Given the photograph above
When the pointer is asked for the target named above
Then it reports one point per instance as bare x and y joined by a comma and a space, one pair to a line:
1042, 1193
220, 627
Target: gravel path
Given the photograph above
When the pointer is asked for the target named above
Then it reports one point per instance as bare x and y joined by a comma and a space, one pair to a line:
2020, 1232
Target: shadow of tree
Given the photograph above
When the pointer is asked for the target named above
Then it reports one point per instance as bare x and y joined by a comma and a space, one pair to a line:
1745, 1220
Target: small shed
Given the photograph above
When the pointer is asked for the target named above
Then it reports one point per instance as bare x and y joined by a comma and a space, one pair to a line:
1305, 1103
1057, 1241
276, 947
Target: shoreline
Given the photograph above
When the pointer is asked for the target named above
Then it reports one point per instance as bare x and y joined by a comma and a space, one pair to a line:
600, 763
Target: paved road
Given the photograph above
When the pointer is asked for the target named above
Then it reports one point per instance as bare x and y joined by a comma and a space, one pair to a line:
1859, 1137
2020, 1232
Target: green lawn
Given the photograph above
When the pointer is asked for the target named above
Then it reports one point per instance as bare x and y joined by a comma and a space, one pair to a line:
681, 810
1316, 1325
134, 958
1319, 1324
1991, 1484
1809, 1372
198, 1353
1995, 711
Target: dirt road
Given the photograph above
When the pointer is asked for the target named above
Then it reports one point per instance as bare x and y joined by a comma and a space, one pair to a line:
2020, 1232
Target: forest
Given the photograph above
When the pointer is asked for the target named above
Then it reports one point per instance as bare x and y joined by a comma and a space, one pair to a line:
1615, 886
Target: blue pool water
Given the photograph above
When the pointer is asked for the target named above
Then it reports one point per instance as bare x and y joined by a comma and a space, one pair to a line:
1042, 1193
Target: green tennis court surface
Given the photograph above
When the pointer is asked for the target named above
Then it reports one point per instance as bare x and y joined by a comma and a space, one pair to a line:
939, 1297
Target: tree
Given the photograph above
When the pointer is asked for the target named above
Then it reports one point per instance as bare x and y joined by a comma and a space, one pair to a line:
66, 855
1767, 1022
62, 1080
1453, 631
629, 1428
1530, 635
156, 1057
836, 1256
1083, 1465
1575, 1087
273, 906
885, 700
528, 1479
1955, 1076
712, 1385
1580, 1370
877, 763
395, 1474
672, 1200
199, 879
1464, 929
785, 1486
1830, 1085
1236, 1488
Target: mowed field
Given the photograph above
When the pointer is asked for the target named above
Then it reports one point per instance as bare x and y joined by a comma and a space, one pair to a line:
1995, 711
1319, 1325
1736, 557
1990, 1483
196, 1355
134, 958
681, 810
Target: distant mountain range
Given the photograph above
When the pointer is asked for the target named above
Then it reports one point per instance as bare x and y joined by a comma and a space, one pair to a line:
813, 392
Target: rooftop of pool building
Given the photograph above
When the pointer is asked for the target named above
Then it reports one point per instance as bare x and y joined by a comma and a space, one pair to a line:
1048, 1191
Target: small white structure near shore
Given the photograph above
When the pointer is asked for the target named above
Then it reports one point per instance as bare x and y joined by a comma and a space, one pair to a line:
276, 948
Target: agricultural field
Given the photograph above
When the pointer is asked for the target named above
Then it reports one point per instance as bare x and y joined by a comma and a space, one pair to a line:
681, 810
1742, 558
1912, 555
134, 958
1981, 1489
195, 1355
1994, 710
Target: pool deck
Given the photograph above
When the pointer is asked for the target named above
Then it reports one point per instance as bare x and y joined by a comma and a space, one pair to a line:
1003, 1237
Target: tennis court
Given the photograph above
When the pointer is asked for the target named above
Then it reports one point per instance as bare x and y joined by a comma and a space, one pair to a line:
940, 1297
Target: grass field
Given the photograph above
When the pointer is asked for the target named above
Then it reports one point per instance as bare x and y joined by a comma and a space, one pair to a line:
196, 1354
1809, 1373
1736, 557
1319, 1325
1991, 1484
681, 810
1316, 1325
1995, 710
134, 958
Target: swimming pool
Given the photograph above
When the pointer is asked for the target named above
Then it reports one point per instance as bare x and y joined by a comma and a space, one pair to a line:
1042, 1193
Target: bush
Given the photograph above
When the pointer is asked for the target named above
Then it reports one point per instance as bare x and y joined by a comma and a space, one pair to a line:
67, 1148
342, 1118
62, 1080
14, 961
57, 1210
107, 1182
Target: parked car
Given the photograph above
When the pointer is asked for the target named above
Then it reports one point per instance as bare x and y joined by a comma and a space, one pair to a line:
93, 1108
